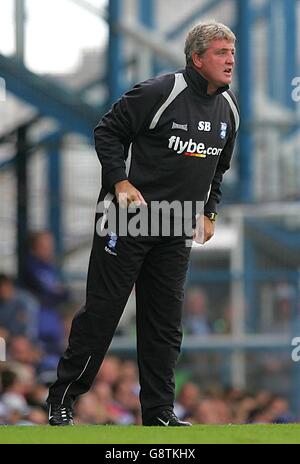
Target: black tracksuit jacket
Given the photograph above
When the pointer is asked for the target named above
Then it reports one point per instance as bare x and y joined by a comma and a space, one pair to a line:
170, 139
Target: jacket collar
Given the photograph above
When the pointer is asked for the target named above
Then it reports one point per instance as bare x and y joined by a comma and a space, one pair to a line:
199, 83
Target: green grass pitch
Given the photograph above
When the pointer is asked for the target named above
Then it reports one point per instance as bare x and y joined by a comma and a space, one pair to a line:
84, 434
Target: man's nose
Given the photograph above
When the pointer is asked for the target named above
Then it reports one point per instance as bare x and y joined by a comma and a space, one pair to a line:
230, 59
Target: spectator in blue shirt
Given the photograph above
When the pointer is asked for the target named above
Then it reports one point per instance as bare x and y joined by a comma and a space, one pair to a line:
42, 276
19, 311
43, 280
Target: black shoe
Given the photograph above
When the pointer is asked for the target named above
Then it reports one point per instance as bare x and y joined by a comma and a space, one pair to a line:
60, 415
166, 418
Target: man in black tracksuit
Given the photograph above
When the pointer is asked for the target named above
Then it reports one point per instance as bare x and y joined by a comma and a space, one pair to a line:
168, 139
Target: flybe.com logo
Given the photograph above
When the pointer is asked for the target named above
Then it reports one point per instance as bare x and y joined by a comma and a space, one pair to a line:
191, 148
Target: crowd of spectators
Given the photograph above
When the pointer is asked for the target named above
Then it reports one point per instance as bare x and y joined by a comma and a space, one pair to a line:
114, 397
34, 323
36, 307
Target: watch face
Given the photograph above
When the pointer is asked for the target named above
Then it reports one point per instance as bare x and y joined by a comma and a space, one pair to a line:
212, 216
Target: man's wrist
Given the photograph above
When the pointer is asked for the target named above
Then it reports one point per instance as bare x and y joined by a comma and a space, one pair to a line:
210, 215
124, 181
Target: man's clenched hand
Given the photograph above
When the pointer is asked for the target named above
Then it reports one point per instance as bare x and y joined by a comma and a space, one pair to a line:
205, 229
127, 195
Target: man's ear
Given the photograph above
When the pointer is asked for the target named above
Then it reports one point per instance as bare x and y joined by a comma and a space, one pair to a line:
197, 60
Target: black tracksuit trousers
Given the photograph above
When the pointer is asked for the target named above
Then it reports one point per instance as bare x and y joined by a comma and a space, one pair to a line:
158, 266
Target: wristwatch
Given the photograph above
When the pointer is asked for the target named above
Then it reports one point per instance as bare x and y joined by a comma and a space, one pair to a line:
211, 216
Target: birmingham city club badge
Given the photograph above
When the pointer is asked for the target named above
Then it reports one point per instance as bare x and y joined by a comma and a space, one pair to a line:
223, 130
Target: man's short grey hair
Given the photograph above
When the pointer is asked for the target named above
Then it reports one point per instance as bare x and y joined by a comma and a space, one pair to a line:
200, 37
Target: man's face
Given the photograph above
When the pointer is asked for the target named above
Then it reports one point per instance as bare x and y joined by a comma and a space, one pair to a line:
6, 291
217, 63
44, 247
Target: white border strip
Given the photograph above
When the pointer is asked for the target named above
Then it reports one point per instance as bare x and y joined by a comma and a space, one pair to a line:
128, 161
233, 108
80, 375
179, 85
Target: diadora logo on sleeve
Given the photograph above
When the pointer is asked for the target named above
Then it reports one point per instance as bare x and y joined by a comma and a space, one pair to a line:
191, 148
204, 126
